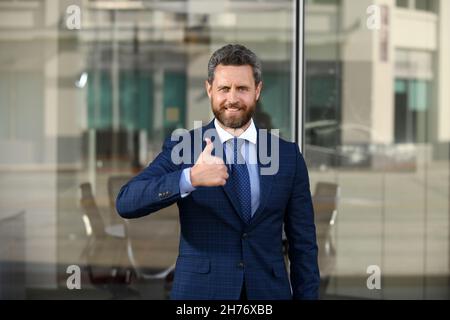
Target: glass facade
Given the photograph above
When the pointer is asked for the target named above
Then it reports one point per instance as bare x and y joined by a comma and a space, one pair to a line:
83, 108
89, 90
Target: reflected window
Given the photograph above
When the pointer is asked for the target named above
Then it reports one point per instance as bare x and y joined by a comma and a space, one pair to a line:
402, 3
412, 101
425, 5
420, 5
413, 94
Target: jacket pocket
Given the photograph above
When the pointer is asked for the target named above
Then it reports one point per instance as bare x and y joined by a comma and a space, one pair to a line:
194, 264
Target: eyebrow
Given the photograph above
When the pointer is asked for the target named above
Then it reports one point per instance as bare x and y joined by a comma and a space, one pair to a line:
227, 87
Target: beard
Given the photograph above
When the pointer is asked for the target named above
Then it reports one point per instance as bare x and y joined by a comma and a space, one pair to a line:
234, 121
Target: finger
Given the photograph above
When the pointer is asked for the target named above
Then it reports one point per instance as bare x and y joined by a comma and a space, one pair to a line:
222, 170
208, 159
217, 160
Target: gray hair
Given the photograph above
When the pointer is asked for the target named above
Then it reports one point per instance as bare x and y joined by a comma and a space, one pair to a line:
234, 55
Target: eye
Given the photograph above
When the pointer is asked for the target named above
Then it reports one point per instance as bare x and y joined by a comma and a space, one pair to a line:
243, 89
224, 89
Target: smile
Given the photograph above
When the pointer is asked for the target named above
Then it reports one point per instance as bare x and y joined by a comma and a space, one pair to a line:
233, 109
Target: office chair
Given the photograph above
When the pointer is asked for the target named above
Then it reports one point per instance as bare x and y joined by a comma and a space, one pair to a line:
152, 241
325, 202
105, 253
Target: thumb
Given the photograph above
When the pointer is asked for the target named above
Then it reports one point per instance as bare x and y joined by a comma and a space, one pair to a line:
209, 147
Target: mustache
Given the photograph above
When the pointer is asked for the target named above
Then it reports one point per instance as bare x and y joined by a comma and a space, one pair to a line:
236, 105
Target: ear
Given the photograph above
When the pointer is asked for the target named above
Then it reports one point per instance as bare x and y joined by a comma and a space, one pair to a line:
258, 90
208, 88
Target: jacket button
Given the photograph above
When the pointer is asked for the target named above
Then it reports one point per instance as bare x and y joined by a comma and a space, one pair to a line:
244, 235
241, 264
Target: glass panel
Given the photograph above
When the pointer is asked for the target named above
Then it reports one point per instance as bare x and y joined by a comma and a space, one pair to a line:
88, 92
376, 128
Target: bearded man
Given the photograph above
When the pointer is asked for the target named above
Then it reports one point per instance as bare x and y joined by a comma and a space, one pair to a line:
232, 209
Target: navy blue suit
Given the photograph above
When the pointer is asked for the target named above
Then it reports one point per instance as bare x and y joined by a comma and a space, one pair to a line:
218, 250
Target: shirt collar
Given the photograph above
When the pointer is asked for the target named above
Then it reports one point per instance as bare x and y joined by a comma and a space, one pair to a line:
249, 134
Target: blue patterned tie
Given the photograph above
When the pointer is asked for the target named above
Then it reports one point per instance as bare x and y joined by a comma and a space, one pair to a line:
241, 181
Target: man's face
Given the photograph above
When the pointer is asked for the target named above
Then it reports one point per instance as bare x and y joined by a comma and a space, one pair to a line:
233, 95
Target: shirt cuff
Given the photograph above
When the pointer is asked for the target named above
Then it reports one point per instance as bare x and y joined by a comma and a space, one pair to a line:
185, 183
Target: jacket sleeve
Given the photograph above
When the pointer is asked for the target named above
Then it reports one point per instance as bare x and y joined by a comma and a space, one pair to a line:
301, 234
155, 188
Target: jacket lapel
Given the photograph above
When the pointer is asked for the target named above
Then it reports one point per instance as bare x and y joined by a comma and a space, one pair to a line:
265, 181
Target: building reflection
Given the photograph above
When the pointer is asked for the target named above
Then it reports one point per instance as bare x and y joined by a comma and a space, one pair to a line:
376, 100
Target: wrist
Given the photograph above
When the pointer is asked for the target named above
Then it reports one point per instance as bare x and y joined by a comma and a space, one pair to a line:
192, 177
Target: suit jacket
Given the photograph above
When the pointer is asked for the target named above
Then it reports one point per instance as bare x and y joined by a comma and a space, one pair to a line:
217, 249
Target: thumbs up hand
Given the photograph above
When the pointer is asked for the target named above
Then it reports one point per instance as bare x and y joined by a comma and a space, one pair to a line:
208, 171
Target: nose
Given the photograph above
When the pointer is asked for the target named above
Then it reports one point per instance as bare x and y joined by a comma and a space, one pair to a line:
232, 96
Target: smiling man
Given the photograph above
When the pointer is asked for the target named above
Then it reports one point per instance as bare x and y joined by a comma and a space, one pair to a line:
231, 213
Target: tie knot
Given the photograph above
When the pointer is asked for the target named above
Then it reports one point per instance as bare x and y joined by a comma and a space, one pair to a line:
239, 141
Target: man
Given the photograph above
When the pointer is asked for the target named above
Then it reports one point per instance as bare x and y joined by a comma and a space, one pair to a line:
231, 214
